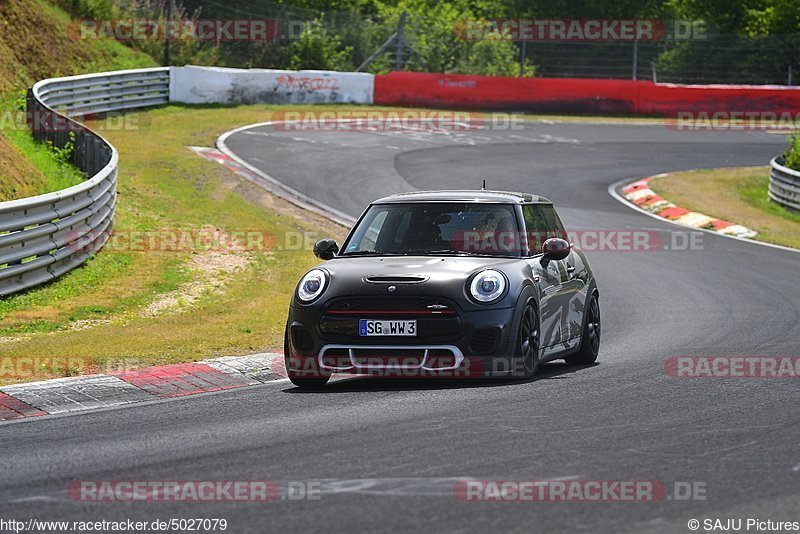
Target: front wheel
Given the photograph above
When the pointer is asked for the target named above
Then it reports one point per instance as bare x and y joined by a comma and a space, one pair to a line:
527, 342
308, 382
305, 381
590, 340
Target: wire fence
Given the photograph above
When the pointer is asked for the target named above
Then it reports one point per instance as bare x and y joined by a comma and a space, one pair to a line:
344, 40
720, 59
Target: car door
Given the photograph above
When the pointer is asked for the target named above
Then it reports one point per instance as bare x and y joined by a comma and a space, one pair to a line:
551, 276
573, 280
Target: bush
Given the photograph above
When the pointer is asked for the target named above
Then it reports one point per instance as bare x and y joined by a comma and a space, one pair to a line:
318, 49
493, 57
792, 156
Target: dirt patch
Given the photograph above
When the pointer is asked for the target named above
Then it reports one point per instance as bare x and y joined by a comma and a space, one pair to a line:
211, 271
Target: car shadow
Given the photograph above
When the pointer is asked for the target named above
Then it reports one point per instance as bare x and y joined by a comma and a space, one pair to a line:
548, 371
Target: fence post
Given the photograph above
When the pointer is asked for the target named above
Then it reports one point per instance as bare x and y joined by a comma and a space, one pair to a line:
166, 32
400, 41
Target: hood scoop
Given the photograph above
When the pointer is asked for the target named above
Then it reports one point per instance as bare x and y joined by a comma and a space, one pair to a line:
395, 279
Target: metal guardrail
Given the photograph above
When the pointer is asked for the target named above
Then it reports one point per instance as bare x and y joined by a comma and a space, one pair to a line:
45, 236
784, 184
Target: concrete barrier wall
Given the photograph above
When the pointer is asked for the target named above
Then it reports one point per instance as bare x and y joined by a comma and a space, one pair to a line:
578, 95
215, 85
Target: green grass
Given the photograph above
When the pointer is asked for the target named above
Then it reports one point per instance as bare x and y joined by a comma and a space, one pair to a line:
56, 174
164, 185
738, 195
38, 29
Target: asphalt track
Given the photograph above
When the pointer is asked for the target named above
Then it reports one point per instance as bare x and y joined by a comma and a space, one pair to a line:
390, 452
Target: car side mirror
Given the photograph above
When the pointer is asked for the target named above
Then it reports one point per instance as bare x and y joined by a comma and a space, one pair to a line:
556, 248
326, 249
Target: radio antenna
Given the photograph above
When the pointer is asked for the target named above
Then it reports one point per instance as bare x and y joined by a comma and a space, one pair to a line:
484, 186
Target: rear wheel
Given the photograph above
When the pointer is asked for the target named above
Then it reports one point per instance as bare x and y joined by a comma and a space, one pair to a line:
590, 340
527, 342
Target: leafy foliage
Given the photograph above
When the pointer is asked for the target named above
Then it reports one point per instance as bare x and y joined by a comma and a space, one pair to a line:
792, 156
318, 49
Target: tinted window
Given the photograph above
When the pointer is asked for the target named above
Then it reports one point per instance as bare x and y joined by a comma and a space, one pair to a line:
428, 228
541, 223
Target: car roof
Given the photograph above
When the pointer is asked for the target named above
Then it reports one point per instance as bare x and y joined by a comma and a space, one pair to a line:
465, 195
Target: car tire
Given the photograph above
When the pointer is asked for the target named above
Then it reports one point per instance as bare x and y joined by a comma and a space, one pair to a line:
528, 342
308, 382
590, 340
304, 381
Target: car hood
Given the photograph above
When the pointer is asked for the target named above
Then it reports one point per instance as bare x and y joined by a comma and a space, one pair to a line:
441, 276
437, 268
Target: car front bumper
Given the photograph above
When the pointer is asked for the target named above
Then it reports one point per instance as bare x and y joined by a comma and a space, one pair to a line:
480, 346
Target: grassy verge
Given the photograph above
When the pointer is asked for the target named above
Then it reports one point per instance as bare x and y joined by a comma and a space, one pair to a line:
30, 168
97, 315
738, 195
39, 40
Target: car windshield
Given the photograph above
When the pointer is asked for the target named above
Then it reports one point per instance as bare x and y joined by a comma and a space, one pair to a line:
436, 229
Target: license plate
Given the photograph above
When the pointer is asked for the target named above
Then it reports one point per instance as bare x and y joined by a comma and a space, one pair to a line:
369, 327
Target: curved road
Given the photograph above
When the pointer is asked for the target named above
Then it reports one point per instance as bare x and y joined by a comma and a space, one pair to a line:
389, 453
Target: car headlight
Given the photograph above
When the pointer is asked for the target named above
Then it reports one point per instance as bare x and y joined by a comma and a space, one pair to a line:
312, 285
488, 286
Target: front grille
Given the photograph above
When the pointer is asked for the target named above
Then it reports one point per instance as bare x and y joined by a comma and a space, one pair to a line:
483, 341
389, 357
374, 358
388, 305
301, 339
438, 320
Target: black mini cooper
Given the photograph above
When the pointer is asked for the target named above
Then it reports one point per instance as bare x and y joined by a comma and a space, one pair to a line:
445, 283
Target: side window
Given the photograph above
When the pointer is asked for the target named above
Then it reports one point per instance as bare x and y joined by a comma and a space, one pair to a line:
536, 227
554, 222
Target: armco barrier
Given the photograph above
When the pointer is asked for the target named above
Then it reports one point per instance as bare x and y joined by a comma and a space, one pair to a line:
46, 236
784, 184
578, 95
216, 85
